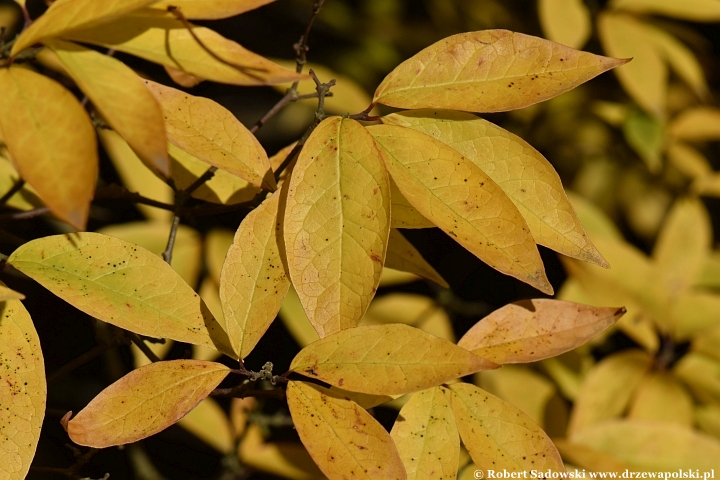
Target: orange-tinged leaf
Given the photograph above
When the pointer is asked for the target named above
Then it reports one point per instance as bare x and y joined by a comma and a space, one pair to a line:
23, 388
208, 131
656, 392
337, 222
122, 99
120, 283
212, 9
208, 422
699, 124
51, 140
404, 215
489, 71
531, 330
426, 436
693, 10
565, 21
182, 78
145, 402
161, 38
521, 172
67, 15
499, 436
253, 282
385, 360
457, 196
403, 256
344, 440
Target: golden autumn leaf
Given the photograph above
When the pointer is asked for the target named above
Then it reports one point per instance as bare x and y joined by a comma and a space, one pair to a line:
145, 402
658, 390
296, 321
701, 374
385, 360
519, 170
212, 9
51, 141
159, 37
22, 375
699, 124
122, 99
342, 438
365, 400
209, 132
426, 436
489, 71
9, 294
565, 21
462, 200
693, 10
499, 436
403, 256
411, 309
253, 282
217, 243
66, 15
404, 215
336, 225
208, 422
25, 199
123, 284
589, 458
531, 330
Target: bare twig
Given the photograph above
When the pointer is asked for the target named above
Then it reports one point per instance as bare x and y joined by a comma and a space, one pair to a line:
117, 192
17, 186
25, 215
167, 254
140, 343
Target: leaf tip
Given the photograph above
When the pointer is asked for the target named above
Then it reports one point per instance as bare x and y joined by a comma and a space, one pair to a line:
620, 312
65, 419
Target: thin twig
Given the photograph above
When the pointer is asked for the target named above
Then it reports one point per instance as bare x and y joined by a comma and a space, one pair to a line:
135, 338
167, 254
118, 192
17, 186
209, 173
25, 215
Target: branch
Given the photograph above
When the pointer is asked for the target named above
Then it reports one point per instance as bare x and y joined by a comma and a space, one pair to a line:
17, 186
167, 254
118, 192
140, 343
25, 215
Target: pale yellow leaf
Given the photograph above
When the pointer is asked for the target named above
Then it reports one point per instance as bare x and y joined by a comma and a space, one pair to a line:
365, 400
344, 440
385, 360
645, 78
462, 200
688, 160
595, 221
426, 436
531, 330
217, 243
589, 458
565, 21
708, 343
568, 381
403, 256
701, 373
209, 132
9, 294
608, 388
296, 321
654, 396
489, 71
693, 314
51, 141
212, 9
145, 402
404, 215
67, 15
390, 277
699, 124
652, 446
499, 436
208, 422
521, 172
120, 283
240, 409
23, 388
337, 222
411, 309
693, 10
26, 198
253, 282
161, 38
122, 99
707, 418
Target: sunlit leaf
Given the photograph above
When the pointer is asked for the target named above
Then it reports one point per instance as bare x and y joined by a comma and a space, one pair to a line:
489, 71
208, 131
144, 402
404, 215
565, 21
462, 200
9, 294
385, 360
390, 277
26, 198
693, 314
296, 321
656, 392
707, 418
336, 224
688, 160
208, 422
568, 381
498, 435
411, 309
693, 10
402, 255
365, 400
182, 78
341, 436
22, 375
217, 243
213, 9
51, 141
595, 221
519, 170
699, 124
701, 373
589, 458
120, 283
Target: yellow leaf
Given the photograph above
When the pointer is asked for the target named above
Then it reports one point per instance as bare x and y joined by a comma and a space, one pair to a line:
693, 10
707, 418
208, 422
211, 133
240, 409
365, 400
693, 313
390, 277
568, 381
595, 221
608, 388
402, 255
404, 215
655, 393
120, 283
652, 446
411, 309
9, 294
217, 243
341, 436
426, 436
489, 71
531, 330
589, 458
701, 374
122, 99
181, 78
498, 435
145, 402
23, 388
161, 38
688, 160
336, 224
385, 360
699, 124
253, 282
519, 170
213, 9
159, 349
462, 200
296, 321
26, 198
565, 21
66, 15
645, 78
51, 141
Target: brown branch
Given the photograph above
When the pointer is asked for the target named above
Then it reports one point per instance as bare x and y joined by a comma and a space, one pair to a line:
140, 343
25, 215
17, 186
167, 254
118, 192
